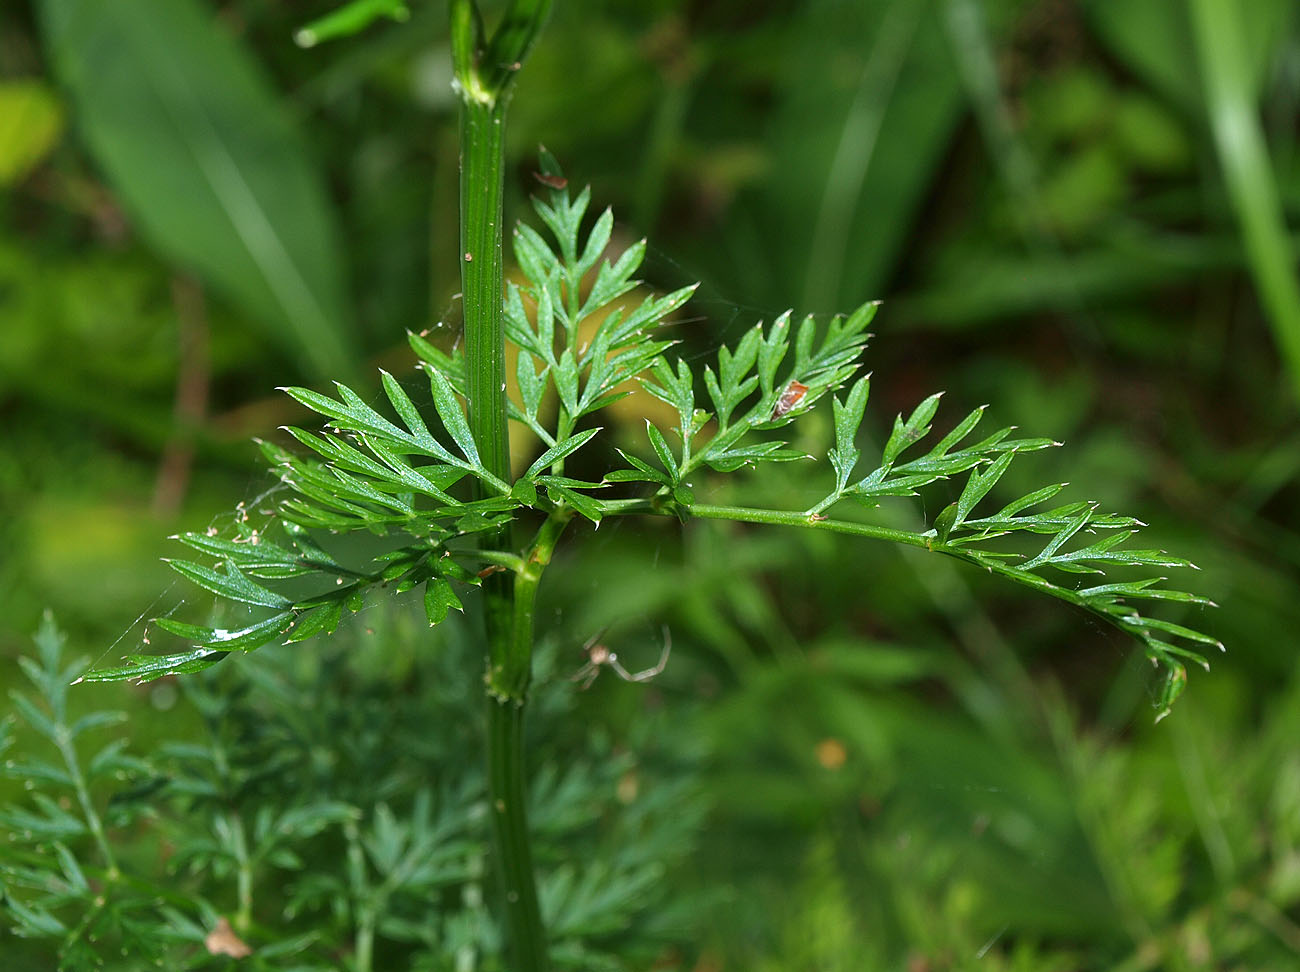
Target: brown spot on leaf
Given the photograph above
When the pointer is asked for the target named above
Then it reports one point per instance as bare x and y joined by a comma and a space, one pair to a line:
553, 181
790, 398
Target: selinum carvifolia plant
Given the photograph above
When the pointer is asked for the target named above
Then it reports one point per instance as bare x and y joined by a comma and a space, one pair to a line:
437, 483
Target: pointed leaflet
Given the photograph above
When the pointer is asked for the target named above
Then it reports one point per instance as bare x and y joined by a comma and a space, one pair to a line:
431, 479
664, 453
252, 556
534, 256
445, 566
1165, 650
730, 460
36, 717
1175, 682
519, 329
322, 618
676, 389
979, 484
1051, 521
848, 416
1102, 551
641, 472
945, 522
560, 451
803, 344
146, 668
348, 413
597, 240
650, 312
564, 219
451, 365
525, 491
438, 599
360, 489
1138, 622
404, 407
328, 486
1143, 589
453, 417
550, 167
232, 584
771, 351
583, 504
413, 478
330, 447
531, 384
615, 280
1055, 544
962, 429
242, 639
1028, 500
914, 429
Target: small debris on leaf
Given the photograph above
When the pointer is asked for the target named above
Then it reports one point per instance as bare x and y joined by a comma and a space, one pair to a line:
222, 940
790, 398
552, 181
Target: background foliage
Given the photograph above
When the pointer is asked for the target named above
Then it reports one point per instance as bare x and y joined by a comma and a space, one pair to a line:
903, 761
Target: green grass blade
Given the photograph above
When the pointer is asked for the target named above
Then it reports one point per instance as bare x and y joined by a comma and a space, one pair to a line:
1228, 79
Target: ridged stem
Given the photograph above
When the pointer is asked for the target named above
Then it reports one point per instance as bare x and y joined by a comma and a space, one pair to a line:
485, 72
481, 164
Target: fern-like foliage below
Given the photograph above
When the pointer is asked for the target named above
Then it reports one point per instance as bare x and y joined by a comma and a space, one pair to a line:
295, 828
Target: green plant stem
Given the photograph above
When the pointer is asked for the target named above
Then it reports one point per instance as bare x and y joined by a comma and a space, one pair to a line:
364, 947
485, 73
510, 667
508, 677
782, 518
510, 835
482, 163
809, 521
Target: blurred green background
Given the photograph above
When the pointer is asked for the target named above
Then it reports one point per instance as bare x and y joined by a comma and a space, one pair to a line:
1079, 211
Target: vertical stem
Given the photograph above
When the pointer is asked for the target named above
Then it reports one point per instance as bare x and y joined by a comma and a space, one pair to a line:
481, 162
485, 72
527, 934
510, 663
510, 669
364, 943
